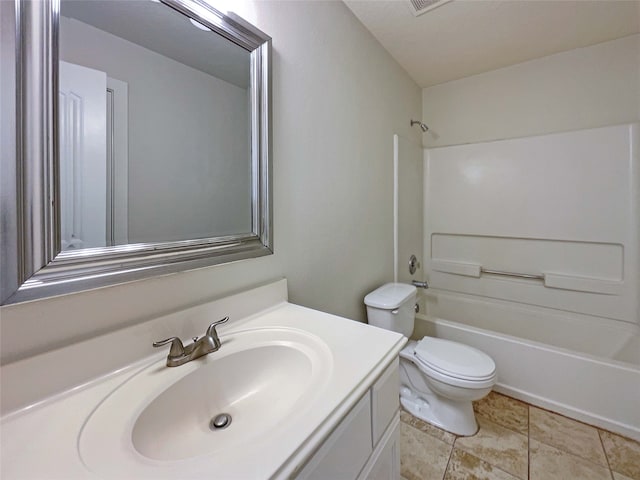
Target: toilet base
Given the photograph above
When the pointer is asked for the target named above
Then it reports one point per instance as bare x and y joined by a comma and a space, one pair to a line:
452, 416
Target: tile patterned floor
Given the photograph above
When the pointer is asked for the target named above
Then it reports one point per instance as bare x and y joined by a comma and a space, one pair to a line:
516, 441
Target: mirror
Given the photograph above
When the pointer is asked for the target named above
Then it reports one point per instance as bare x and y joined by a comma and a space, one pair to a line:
154, 117
154, 156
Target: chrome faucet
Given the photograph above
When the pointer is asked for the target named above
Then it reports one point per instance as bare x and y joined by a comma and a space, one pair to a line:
179, 354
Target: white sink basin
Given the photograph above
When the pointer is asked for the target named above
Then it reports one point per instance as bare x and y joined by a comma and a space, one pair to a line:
257, 387
262, 378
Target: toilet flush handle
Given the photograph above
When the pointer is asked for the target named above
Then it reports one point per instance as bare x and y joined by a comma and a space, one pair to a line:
395, 312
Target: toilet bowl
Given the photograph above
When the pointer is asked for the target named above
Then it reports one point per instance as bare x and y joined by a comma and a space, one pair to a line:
438, 378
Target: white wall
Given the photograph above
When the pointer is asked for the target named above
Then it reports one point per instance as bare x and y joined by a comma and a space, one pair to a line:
188, 152
338, 99
582, 88
409, 208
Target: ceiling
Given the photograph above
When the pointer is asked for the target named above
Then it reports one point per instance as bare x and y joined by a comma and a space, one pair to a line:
163, 30
466, 37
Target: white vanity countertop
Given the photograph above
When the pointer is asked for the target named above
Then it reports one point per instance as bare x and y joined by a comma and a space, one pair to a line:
44, 440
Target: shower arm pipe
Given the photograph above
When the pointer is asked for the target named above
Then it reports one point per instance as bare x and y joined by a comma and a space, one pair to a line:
422, 125
512, 274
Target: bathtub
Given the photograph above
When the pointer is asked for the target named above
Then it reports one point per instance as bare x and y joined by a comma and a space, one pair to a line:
602, 390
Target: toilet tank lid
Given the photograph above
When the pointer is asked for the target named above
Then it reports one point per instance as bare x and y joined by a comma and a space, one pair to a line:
390, 296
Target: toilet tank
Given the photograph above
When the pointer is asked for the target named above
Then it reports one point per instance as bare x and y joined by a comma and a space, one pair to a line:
392, 307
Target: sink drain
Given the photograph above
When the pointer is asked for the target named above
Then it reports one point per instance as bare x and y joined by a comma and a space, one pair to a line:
220, 421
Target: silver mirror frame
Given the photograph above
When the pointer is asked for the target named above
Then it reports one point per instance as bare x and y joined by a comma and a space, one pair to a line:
33, 265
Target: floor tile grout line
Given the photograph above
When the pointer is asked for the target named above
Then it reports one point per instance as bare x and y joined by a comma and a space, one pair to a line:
513, 401
446, 468
502, 469
430, 433
528, 442
493, 465
417, 430
586, 463
435, 438
504, 427
606, 455
527, 404
527, 434
511, 429
599, 429
566, 450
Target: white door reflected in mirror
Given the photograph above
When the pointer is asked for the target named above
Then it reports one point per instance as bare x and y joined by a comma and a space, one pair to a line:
93, 158
83, 156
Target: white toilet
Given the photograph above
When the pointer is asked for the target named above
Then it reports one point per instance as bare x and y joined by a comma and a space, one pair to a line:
438, 378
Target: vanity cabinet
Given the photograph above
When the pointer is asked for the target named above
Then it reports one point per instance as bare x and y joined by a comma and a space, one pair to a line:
366, 443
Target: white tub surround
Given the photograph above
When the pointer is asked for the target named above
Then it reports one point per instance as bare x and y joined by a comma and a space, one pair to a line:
357, 369
561, 210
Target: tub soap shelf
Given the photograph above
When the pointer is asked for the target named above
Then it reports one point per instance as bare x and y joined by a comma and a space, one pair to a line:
548, 279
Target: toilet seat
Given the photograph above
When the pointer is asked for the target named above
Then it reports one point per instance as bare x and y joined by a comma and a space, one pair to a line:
453, 381
454, 363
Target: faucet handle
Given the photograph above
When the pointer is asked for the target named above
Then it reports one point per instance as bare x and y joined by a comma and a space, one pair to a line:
177, 349
211, 330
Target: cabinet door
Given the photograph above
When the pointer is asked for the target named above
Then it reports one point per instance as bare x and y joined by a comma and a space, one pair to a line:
385, 400
344, 453
384, 463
